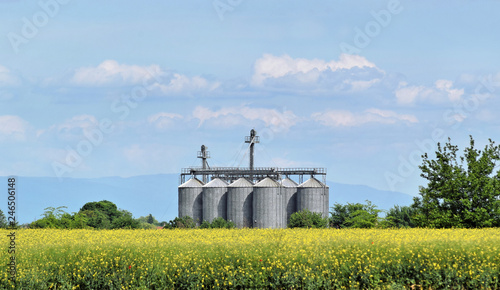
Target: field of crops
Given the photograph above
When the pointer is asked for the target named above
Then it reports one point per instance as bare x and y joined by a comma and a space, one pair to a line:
218, 258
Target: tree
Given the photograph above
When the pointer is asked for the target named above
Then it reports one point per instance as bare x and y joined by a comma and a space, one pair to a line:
150, 219
354, 215
399, 217
3, 220
106, 207
461, 192
185, 222
220, 223
125, 221
307, 219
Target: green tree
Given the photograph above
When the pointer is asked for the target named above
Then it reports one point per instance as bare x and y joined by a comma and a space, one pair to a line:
185, 222
97, 219
399, 217
220, 223
106, 207
307, 219
150, 219
3, 220
354, 215
463, 191
125, 221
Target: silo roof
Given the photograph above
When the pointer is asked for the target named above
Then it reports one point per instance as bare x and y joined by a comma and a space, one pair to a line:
287, 182
193, 182
242, 182
216, 182
267, 182
312, 182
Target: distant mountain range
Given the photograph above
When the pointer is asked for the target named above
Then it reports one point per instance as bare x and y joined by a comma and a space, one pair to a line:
155, 194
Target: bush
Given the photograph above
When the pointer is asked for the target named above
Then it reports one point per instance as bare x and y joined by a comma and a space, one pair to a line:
307, 219
185, 222
354, 215
399, 217
220, 223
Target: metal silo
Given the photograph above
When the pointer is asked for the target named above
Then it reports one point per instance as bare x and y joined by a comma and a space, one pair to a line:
266, 198
313, 195
239, 203
289, 191
215, 200
190, 199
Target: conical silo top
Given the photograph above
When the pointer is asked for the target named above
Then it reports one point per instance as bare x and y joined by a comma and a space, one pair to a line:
287, 182
312, 182
216, 182
242, 182
193, 182
267, 182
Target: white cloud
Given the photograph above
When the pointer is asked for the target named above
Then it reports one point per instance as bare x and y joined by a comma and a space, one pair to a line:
110, 72
441, 91
163, 120
13, 128
343, 118
152, 78
6, 78
305, 70
361, 85
232, 116
72, 129
181, 83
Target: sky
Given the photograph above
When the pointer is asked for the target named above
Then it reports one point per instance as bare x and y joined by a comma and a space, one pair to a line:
361, 88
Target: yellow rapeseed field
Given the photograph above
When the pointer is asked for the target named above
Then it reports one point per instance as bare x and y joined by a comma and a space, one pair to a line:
251, 258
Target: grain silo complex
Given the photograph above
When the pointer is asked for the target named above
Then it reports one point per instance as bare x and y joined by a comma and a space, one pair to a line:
258, 197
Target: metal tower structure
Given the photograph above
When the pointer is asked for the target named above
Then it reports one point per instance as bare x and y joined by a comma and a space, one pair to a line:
204, 154
252, 139
230, 174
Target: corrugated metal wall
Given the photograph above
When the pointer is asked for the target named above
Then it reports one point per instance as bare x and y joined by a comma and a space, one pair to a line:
191, 200
214, 200
267, 204
239, 203
289, 192
312, 195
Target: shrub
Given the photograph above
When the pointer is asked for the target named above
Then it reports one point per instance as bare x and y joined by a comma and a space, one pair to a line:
307, 219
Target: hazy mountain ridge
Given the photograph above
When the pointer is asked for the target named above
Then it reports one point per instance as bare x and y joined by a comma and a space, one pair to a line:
155, 194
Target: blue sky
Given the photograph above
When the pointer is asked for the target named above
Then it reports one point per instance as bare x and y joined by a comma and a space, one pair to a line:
125, 88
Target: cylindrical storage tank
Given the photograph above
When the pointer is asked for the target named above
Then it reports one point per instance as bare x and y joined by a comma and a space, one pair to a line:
190, 200
239, 203
265, 204
289, 192
313, 195
215, 200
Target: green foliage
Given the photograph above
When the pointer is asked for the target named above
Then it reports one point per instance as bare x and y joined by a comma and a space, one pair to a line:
149, 219
3, 220
185, 222
220, 223
205, 225
98, 215
108, 208
462, 192
399, 217
97, 219
354, 215
125, 221
307, 219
